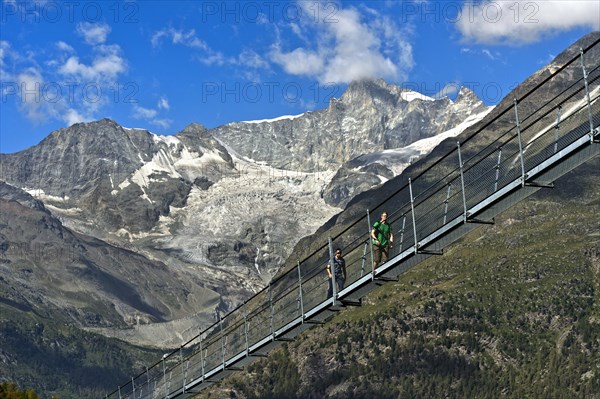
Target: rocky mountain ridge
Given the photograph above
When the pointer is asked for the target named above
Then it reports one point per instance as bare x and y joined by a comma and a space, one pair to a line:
370, 116
223, 218
202, 206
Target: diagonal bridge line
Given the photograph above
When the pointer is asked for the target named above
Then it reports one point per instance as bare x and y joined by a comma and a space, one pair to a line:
523, 149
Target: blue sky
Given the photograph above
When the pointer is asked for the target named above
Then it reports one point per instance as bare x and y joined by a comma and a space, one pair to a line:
162, 64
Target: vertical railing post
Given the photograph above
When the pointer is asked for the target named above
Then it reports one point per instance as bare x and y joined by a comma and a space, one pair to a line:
222, 340
587, 96
272, 322
133, 387
521, 155
169, 384
246, 327
165, 377
182, 368
187, 370
462, 183
402, 233
446, 203
332, 270
371, 245
412, 210
148, 379
498, 169
557, 129
202, 357
364, 257
120, 392
300, 292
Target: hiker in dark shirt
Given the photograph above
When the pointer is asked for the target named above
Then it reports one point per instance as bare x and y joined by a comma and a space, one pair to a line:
339, 271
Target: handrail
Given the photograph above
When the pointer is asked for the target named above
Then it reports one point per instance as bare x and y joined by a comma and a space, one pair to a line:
428, 215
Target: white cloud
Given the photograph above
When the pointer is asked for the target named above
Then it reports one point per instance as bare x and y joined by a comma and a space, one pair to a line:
143, 113
66, 88
299, 61
150, 115
64, 47
31, 102
252, 59
72, 116
163, 103
449, 90
488, 54
162, 123
4, 53
188, 39
516, 22
93, 33
348, 48
107, 64
4, 47
41, 100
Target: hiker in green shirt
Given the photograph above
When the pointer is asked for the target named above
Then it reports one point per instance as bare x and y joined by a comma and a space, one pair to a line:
382, 239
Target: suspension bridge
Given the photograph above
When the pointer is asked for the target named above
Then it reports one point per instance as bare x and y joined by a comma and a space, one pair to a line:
523, 148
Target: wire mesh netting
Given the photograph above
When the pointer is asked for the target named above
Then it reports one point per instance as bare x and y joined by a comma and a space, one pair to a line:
502, 152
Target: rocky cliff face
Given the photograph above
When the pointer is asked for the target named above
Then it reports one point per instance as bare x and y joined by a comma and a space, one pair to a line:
114, 227
370, 116
49, 268
117, 178
219, 210
370, 170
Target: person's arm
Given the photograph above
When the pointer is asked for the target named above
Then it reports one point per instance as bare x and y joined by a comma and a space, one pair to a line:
328, 271
344, 270
374, 236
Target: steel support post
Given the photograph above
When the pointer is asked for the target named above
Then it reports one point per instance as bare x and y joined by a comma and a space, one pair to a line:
247, 346
462, 183
371, 246
445, 205
587, 96
187, 370
165, 378
133, 387
332, 270
222, 340
557, 129
148, 379
272, 312
169, 384
120, 392
402, 233
364, 257
202, 357
521, 155
300, 292
182, 368
498, 169
412, 209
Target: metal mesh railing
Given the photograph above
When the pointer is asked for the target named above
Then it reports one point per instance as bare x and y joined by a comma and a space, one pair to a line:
502, 154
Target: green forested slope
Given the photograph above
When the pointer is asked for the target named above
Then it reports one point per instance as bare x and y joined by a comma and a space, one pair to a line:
512, 310
57, 359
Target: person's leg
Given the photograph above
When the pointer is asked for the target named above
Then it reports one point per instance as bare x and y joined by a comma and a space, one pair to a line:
329, 289
376, 255
385, 252
340, 282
